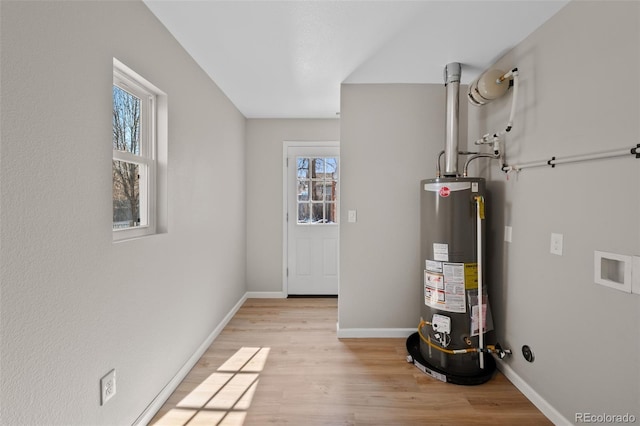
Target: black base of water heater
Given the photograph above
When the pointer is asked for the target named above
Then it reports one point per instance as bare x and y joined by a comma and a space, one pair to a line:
416, 358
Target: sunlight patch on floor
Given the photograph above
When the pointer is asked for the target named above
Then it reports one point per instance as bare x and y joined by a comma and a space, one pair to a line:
224, 397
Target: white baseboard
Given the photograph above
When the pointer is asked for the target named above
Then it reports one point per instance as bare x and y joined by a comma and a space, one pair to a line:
166, 392
356, 333
266, 295
533, 396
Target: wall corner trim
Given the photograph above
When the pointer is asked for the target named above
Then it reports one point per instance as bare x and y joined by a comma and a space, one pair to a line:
533, 396
166, 392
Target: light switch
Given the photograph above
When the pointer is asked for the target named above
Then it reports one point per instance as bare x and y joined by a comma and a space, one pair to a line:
352, 216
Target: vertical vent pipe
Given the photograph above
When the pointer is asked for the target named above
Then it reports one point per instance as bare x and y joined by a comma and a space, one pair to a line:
452, 72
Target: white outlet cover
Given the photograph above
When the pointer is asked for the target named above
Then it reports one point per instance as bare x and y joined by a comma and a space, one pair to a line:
635, 275
107, 387
556, 244
508, 234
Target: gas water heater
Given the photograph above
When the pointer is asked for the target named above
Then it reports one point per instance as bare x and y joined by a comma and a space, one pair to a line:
449, 249
455, 322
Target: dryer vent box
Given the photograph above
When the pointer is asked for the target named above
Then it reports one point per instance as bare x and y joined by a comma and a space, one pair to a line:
614, 270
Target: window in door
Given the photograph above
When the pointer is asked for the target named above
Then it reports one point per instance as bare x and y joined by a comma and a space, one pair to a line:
317, 189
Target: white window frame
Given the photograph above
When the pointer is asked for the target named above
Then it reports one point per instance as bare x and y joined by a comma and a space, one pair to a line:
324, 201
150, 98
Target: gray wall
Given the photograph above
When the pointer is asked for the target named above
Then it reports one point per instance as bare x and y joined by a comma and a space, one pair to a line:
75, 305
584, 336
579, 94
265, 139
390, 137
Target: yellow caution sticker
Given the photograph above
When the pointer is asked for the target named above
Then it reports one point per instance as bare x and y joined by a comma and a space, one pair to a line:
470, 276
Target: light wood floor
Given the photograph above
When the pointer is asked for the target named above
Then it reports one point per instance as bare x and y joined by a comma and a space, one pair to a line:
312, 378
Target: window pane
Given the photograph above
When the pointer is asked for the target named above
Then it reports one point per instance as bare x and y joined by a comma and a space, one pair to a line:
303, 213
303, 168
317, 215
330, 190
303, 190
126, 195
318, 191
317, 170
331, 210
126, 121
331, 168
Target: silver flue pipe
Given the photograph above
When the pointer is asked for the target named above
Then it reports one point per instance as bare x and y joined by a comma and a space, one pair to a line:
452, 72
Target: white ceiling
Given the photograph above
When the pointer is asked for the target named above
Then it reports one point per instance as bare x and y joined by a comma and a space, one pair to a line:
288, 58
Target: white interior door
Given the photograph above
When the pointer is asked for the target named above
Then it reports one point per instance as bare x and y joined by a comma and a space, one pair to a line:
312, 212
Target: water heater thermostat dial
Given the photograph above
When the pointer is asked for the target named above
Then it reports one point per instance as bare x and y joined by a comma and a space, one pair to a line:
441, 324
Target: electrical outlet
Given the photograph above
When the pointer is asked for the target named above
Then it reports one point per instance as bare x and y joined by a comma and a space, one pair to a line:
508, 234
556, 244
635, 274
108, 387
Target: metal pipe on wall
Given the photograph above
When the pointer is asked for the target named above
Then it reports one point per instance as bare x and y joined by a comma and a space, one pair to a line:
634, 151
452, 72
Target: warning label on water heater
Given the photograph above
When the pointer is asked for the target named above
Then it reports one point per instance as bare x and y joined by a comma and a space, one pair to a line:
444, 286
440, 252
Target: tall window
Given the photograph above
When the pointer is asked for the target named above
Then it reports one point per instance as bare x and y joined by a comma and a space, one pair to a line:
317, 190
134, 154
